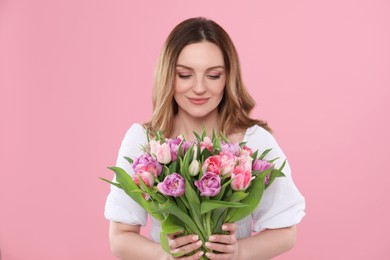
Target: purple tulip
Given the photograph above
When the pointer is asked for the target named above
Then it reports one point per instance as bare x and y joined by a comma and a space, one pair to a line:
174, 146
232, 148
173, 185
148, 162
261, 165
209, 184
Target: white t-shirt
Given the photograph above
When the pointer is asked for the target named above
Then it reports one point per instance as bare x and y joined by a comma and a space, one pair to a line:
282, 205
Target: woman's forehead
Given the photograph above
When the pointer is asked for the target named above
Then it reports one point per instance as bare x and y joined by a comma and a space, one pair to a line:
201, 55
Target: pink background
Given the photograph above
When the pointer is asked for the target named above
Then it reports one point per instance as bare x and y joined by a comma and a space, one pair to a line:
74, 75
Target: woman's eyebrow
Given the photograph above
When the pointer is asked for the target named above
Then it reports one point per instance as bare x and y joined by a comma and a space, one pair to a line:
189, 68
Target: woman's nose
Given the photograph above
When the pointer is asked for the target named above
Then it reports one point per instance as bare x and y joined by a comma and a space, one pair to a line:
199, 86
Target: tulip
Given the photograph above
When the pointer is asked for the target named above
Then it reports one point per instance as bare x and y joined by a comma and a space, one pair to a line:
146, 177
194, 168
228, 161
209, 184
241, 178
146, 160
164, 153
261, 165
173, 185
245, 161
212, 164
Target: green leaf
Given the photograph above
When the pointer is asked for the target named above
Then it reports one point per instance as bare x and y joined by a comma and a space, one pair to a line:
173, 167
112, 183
131, 188
171, 225
129, 159
209, 205
276, 173
185, 166
203, 132
182, 204
222, 192
147, 135
255, 191
197, 137
254, 156
238, 196
164, 242
273, 160
193, 202
171, 208
224, 138
242, 144
178, 254
206, 153
264, 154
219, 215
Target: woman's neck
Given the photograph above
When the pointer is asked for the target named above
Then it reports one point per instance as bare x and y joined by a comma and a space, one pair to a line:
185, 125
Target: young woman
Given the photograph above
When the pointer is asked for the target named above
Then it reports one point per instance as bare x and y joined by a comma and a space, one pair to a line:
198, 84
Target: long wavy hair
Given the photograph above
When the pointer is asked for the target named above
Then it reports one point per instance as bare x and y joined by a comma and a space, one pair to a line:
236, 104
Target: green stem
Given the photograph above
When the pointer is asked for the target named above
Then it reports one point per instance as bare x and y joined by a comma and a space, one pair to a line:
208, 224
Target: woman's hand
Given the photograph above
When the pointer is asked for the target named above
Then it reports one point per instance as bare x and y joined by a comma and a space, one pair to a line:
185, 245
224, 246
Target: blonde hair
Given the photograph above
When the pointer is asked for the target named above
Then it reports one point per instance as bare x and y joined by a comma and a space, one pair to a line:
236, 103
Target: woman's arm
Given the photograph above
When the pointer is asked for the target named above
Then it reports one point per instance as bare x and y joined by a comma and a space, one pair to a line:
127, 243
267, 244
264, 245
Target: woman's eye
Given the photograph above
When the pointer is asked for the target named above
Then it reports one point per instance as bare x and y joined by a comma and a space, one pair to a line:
184, 76
214, 76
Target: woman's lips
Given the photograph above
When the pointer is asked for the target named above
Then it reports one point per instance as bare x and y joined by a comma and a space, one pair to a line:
198, 101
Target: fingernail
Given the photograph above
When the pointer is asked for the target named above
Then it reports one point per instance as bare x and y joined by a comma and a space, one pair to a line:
199, 243
208, 255
212, 238
195, 238
208, 244
224, 227
200, 253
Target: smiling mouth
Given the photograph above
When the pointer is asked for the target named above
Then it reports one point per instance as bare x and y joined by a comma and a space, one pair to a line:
198, 101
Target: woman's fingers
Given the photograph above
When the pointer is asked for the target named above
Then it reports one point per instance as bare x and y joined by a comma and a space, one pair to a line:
187, 248
223, 246
231, 227
184, 245
181, 241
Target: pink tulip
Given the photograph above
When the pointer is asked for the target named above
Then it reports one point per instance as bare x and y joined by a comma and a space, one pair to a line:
173, 185
164, 153
245, 161
146, 160
228, 161
146, 177
194, 168
241, 178
212, 164
206, 144
209, 184
261, 165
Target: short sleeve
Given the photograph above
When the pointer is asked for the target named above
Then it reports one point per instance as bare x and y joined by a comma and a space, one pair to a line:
119, 206
282, 205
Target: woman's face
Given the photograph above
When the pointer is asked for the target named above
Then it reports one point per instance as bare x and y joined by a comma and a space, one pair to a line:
200, 79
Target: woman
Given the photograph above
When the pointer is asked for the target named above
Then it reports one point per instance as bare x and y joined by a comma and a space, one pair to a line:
198, 84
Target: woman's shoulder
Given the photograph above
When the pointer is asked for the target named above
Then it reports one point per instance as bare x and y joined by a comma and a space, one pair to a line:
258, 136
136, 128
136, 133
256, 130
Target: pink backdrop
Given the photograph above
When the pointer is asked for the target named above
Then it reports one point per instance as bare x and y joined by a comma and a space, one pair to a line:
74, 75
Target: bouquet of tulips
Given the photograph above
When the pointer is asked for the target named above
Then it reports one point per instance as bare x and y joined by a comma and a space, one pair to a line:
195, 187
